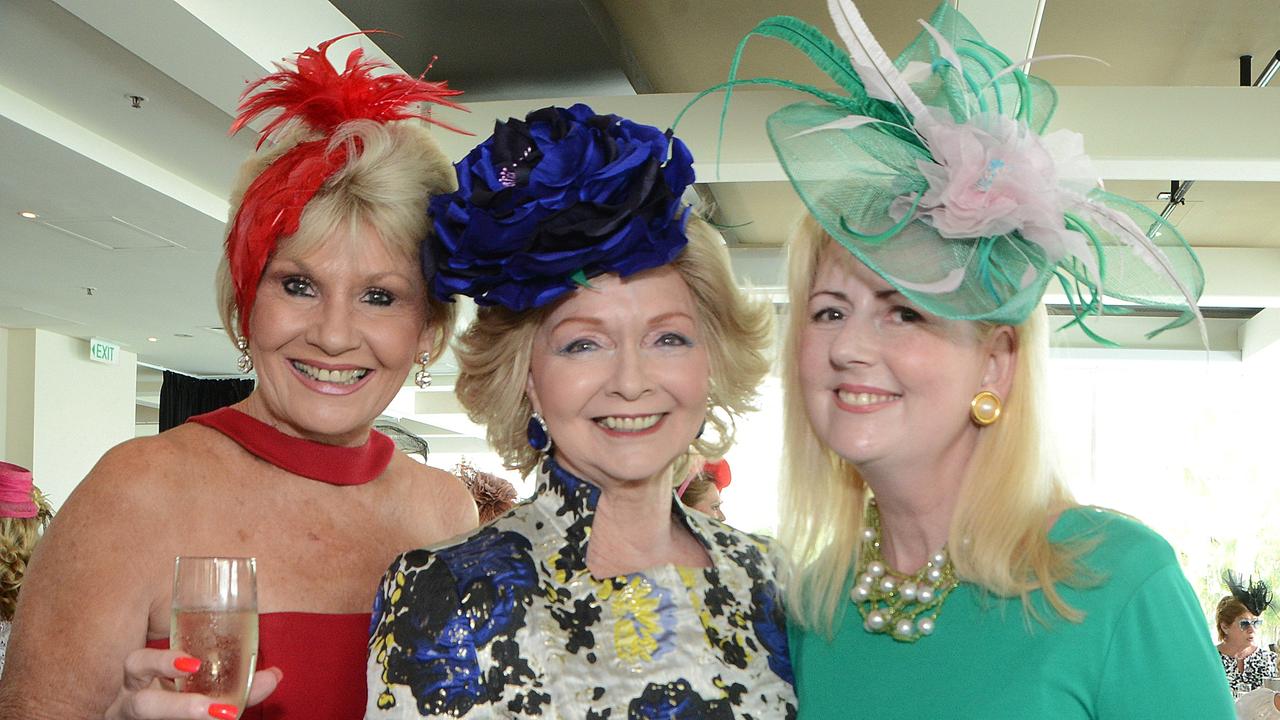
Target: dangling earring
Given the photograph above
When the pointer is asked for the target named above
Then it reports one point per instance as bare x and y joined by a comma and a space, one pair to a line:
539, 436
985, 408
244, 362
423, 378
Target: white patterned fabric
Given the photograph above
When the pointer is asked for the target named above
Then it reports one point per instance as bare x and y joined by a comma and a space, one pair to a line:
1260, 665
510, 623
1258, 704
5, 627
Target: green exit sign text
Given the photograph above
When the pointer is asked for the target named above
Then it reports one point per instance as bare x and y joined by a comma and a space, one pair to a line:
103, 351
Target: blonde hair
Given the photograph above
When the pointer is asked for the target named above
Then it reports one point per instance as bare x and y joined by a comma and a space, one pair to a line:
495, 351
1010, 492
391, 173
18, 538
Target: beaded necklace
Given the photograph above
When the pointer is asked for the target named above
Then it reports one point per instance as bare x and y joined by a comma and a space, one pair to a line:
906, 607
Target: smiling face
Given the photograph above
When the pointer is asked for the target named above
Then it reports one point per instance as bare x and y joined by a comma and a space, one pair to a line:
620, 374
885, 384
333, 335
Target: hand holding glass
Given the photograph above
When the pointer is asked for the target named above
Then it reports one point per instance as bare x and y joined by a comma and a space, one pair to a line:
215, 619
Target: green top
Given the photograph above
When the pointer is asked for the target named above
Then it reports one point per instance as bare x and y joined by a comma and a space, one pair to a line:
1142, 651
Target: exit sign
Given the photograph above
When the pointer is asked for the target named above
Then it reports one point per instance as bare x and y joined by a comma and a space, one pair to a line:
103, 351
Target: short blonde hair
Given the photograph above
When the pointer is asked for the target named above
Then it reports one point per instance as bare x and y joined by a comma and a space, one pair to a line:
391, 173
18, 538
495, 351
1009, 494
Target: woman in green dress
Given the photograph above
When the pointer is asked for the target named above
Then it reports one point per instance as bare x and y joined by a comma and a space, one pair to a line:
943, 568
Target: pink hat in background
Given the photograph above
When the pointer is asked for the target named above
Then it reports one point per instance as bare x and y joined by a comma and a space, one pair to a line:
16, 492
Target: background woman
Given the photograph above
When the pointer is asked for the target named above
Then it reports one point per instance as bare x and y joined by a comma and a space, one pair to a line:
321, 290
1239, 620
943, 566
702, 485
24, 514
611, 334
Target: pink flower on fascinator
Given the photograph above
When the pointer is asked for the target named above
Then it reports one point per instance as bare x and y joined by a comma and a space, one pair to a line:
992, 176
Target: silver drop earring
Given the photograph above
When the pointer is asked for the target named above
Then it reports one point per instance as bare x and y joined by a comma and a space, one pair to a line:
244, 362
423, 378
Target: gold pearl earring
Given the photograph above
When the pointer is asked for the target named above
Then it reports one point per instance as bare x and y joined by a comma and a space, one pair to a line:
985, 408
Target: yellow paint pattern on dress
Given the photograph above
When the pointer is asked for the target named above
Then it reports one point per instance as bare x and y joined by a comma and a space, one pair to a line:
635, 613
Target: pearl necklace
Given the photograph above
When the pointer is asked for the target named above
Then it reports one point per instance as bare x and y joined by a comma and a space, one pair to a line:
904, 606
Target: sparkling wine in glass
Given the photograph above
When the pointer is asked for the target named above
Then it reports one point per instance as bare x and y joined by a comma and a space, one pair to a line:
215, 619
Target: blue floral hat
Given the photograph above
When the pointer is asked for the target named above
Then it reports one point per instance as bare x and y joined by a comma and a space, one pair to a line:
553, 200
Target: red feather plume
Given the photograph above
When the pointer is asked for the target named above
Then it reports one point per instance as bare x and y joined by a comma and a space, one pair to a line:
317, 94
314, 93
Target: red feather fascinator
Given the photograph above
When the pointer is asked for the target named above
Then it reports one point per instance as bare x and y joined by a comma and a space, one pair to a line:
314, 94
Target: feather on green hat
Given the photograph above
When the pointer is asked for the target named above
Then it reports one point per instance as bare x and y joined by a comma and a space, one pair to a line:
933, 169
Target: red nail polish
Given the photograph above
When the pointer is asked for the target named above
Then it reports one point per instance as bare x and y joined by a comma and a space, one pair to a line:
223, 712
186, 664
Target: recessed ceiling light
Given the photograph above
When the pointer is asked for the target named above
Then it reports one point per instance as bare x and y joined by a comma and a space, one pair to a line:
152, 339
183, 335
29, 215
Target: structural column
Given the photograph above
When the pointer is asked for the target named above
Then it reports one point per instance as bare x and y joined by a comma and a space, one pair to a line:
62, 410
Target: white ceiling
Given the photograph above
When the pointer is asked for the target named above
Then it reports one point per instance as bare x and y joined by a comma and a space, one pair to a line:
132, 201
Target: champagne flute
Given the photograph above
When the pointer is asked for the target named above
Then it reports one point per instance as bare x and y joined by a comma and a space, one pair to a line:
215, 618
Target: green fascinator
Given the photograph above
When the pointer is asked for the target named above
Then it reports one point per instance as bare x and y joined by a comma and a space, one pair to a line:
934, 169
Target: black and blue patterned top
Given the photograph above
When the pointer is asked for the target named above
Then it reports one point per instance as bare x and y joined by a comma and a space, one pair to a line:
510, 623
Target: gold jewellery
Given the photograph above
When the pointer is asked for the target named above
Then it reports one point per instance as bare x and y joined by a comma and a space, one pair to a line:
985, 408
906, 607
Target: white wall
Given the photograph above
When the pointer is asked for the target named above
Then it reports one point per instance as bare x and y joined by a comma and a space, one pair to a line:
19, 396
62, 411
82, 409
4, 388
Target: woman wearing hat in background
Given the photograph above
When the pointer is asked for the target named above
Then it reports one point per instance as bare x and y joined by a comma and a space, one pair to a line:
24, 514
1239, 619
322, 291
610, 335
943, 568
703, 483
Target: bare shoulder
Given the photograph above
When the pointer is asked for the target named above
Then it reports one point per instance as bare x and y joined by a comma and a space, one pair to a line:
104, 561
440, 494
141, 463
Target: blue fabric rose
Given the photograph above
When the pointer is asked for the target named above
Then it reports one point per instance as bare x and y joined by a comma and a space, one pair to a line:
555, 199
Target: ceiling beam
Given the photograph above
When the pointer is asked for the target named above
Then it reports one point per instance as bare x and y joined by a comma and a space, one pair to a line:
1159, 133
206, 44
1011, 26
1260, 338
1146, 133
42, 121
1234, 277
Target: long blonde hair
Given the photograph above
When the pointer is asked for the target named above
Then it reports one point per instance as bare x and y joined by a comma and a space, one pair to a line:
1009, 495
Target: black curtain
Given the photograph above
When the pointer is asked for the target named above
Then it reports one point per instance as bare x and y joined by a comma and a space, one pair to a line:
182, 396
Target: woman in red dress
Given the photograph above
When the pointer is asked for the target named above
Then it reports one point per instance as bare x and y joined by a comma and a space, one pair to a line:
321, 290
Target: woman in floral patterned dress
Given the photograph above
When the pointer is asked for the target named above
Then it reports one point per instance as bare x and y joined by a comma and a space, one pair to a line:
611, 336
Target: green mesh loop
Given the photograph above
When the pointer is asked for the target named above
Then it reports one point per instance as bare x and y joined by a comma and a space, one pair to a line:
853, 179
